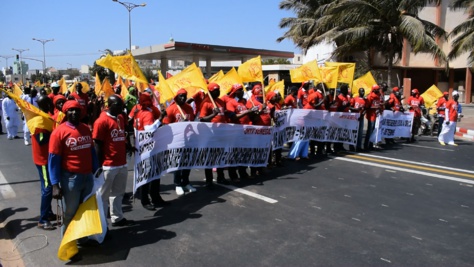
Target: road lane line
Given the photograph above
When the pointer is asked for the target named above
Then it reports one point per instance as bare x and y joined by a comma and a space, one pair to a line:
249, 193
418, 163
5, 189
414, 166
436, 148
435, 175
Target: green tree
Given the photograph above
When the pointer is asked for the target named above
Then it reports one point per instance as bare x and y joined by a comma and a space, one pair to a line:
101, 71
463, 33
278, 61
363, 26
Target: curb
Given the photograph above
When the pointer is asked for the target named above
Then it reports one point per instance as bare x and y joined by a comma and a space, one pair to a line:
465, 133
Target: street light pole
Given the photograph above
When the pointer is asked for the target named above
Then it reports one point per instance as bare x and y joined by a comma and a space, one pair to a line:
129, 7
6, 63
21, 65
43, 41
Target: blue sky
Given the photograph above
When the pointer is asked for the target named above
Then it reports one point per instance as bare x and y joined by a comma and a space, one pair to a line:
82, 27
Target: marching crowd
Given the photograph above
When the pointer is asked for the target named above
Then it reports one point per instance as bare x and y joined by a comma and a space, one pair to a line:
92, 134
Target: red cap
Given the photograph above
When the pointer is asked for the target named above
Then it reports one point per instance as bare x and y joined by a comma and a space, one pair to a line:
415, 91
58, 97
235, 88
270, 95
213, 86
257, 90
71, 104
446, 93
395, 89
375, 87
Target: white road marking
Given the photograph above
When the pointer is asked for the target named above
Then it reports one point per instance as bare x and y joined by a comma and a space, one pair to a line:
249, 193
441, 220
386, 260
417, 163
436, 148
276, 219
355, 219
347, 196
410, 194
391, 171
434, 175
321, 236
429, 184
383, 205
316, 207
5, 189
418, 238
314, 187
464, 206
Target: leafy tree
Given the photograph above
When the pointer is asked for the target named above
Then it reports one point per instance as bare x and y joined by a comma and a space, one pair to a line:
279, 61
362, 26
463, 33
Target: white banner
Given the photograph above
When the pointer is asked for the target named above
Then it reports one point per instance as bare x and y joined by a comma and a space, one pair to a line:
195, 145
320, 125
392, 124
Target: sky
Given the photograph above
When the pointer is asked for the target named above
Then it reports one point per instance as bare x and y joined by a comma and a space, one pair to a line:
80, 28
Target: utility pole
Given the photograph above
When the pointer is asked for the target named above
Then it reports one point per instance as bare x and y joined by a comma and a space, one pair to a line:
21, 64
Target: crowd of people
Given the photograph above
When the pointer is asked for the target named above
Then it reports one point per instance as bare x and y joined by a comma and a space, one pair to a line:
92, 134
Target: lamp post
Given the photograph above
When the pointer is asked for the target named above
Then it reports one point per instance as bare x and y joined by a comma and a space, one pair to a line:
21, 65
129, 7
43, 41
6, 63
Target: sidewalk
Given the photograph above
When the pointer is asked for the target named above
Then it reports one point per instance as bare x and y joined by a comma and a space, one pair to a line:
465, 128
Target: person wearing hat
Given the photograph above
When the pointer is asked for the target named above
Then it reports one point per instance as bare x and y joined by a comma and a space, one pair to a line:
416, 103
373, 109
180, 111
83, 100
209, 113
58, 115
358, 104
290, 99
441, 107
449, 125
54, 90
10, 117
72, 160
393, 104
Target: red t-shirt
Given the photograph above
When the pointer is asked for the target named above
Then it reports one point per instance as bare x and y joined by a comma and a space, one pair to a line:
394, 103
342, 100
441, 104
313, 99
373, 104
198, 98
174, 115
207, 107
358, 102
74, 145
111, 131
415, 103
303, 96
83, 99
142, 118
238, 107
39, 151
155, 111
452, 107
290, 101
265, 117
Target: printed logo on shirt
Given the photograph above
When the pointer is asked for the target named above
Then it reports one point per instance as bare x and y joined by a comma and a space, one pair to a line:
117, 135
81, 142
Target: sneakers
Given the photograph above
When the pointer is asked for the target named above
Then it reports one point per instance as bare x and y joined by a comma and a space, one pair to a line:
122, 222
27, 143
179, 190
189, 188
452, 144
442, 143
46, 226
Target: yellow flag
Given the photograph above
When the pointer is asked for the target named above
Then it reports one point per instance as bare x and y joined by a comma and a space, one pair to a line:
308, 71
346, 71
217, 76
98, 85
107, 88
141, 86
124, 66
166, 94
365, 81
431, 95
229, 79
85, 222
329, 76
85, 87
63, 86
123, 88
38, 83
251, 70
35, 118
17, 90
190, 78
276, 86
72, 88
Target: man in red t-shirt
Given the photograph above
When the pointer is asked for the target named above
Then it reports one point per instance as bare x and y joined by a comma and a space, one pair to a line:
180, 111
39, 149
373, 109
449, 125
441, 107
358, 104
215, 114
83, 99
110, 145
416, 103
72, 160
290, 99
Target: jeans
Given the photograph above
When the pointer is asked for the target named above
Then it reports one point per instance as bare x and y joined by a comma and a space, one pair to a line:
113, 190
151, 191
368, 133
440, 124
75, 187
181, 177
46, 194
359, 134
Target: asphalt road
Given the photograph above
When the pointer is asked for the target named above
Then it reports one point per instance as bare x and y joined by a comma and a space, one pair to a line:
407, 205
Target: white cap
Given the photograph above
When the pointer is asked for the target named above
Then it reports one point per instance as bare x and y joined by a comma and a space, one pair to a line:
455, 93
55, 84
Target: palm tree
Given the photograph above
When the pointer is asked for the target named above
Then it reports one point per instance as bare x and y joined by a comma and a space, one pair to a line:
463, 33
363, 25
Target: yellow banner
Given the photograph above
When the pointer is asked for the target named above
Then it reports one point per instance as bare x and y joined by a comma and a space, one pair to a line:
217, 76
251, 70
166, 94
124, 66
308, 71
229, 79
190, 78
329, 76
346, 71
86, 222
431, 96
98, 85
365, 81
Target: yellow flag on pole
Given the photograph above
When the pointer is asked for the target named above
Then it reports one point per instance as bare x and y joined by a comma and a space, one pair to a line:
72, 87
190, 78
365, 81
63, 86
431, 95
346, 71
276, 86
229, 79
107, 88
124, 66
329, 76
251, 70
306, 72
98, 85
217, 76
17, 90
86, 222
166, 94
123, 87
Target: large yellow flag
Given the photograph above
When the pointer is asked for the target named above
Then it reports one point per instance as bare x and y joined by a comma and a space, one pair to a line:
365, 81
141, 86
123, 88
229, 79
86, 222
346, 71
85, 87
190, 78
306, 72
17, 90
107, 88
72, 88
329, 76
63, 86
217, 76
278, 86
431, 95
98, 85
124, 66
35, 118
251, 70
166, 94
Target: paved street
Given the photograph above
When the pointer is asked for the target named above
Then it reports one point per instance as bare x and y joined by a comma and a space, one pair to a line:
407, 205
